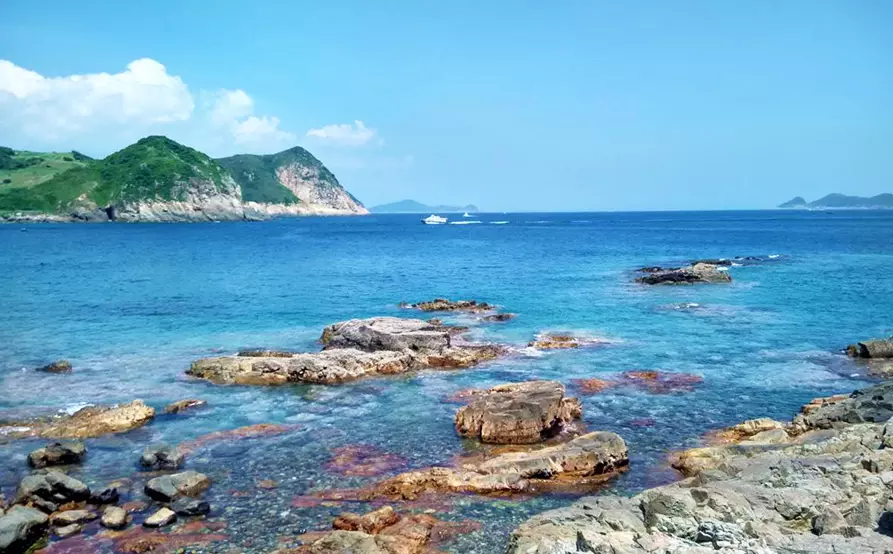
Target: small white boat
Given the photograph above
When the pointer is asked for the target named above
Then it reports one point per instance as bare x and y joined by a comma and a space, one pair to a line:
466, 214
434, 220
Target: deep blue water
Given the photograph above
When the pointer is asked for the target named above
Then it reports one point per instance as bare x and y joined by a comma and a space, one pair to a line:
132, 305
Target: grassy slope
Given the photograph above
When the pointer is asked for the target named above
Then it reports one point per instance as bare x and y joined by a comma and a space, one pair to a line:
152, 168
257, 177
38, 167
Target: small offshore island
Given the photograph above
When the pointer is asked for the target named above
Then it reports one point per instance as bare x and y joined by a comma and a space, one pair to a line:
159, 180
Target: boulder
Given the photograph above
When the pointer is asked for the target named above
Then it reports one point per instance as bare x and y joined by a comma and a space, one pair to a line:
877, 348
695, 273
66, 531
352, 350
189, 507
114, 517
519, 413
873, 404
164, 516
58, 453
183, 405
170, 487
95, 421
162, 456
49, 489
59, 366
108, 495
20, 528
587, 460
446, 305
371, 523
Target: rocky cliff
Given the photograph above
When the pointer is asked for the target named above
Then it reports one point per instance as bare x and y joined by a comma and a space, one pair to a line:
158, 179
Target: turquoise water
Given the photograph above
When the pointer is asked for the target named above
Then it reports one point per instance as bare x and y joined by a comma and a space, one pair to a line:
132, 305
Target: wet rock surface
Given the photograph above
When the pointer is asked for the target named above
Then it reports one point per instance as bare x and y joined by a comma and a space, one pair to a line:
696, 273
561, 341
164, 516
20, 528
95, 421
352, 350
58, 453
171, 487
819, 484
162, 456
877, 348
183, 405
50, 489
446, 305
518, 413
588, 459
59, 366
114, 517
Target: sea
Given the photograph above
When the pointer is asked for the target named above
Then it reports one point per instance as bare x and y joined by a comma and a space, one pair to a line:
132, 305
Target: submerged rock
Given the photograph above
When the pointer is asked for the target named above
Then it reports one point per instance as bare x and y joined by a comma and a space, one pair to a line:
183, 405
95, 421
371, 523
162, 456
498, 317
59, 366
50, 489
559, 341
170, 487
877, 348
352, 350
696, 273
58, 453
20, 528
818, 485
362, 460
446, 305
518, 413
586, 460
108, 495
190, 507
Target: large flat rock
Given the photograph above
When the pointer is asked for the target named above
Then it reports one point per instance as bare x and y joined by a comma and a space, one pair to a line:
518, 413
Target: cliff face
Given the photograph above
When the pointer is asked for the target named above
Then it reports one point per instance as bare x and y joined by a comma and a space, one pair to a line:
157, 180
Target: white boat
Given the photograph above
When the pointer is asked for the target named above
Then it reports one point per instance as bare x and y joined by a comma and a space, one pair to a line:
434, 220
466, 214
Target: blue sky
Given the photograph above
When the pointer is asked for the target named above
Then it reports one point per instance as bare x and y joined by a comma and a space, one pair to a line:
509, 105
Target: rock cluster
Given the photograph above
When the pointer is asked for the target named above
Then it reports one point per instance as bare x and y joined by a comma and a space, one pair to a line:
352, 350
877, 348
446, 305
59, 366
162, 456
58, 453
820, 484
518, 413
696, 273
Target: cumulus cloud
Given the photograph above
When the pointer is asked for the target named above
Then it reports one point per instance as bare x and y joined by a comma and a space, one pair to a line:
144, 94
233, 112
100, 112
345, 134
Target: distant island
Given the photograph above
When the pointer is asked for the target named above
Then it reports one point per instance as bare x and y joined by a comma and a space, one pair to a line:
841, 201
157, 179
413, 207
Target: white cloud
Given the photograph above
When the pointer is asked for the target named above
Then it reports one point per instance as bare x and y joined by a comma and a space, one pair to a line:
233, 112
102, 112
57, 107
345, 134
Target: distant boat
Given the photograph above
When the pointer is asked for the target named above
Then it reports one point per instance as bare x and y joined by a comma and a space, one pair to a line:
466, 214
434, 220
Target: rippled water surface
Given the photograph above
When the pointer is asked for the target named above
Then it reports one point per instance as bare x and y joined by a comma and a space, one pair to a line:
132, 305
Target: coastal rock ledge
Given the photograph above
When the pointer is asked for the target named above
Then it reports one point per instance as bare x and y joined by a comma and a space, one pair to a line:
821, 484
352, 349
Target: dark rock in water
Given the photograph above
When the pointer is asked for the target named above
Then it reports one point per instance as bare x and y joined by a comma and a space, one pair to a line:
20, 528
714, 261
183, 405
265, 354
114, 518
877, 348
228, 451
655, 269
108, 495
164, 516
58, 453
97, 215
697, 273
170, 487
162, 456
446, 305
518, 413
59, 366
498, 317
188, 507
50, 489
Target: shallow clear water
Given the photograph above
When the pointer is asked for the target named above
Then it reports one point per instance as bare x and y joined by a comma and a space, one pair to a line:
132, 305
